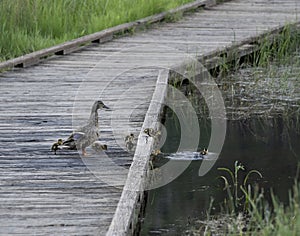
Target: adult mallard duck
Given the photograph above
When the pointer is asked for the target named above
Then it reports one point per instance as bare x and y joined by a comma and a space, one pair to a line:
83, 137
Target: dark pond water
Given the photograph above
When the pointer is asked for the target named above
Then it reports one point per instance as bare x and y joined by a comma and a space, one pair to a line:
264, 145
269, 144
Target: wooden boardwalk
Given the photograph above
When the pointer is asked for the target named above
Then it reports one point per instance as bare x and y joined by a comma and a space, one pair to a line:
46, 194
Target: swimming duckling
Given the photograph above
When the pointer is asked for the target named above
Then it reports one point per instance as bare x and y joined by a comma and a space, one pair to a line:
85, 135
129, 139
204, 152
98, 147
55, 145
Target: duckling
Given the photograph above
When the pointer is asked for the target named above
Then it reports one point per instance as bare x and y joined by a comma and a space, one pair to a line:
129, 141
204, 152
152, 133
157, 137
155, 153
98, 147
149, 131
85, 135
56, 145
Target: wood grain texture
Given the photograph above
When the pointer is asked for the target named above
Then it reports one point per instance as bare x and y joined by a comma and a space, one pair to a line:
64, 194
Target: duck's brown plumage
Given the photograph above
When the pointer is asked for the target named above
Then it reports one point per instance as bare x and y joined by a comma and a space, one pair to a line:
85, 135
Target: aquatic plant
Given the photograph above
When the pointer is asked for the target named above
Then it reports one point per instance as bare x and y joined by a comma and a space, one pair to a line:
262, 217
234, 190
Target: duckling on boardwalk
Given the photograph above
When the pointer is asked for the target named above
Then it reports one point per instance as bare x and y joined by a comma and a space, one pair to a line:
129, 139
83, 137
204, 152
98, 147
56, 145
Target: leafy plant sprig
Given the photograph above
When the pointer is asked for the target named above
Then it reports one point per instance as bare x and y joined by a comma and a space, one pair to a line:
236, 200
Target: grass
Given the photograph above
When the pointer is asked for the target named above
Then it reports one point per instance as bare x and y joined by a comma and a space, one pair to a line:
272, 49
30, 25
279, 49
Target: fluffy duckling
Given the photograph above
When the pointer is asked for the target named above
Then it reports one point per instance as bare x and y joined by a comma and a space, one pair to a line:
152, 133
204, 152
149, 131
83, 137
56, 145
98, 147
129, 139
155, 153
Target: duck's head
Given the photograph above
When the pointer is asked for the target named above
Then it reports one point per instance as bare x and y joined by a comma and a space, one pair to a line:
99, 105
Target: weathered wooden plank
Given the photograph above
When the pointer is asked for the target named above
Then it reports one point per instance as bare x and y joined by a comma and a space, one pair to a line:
124, 218
44, 194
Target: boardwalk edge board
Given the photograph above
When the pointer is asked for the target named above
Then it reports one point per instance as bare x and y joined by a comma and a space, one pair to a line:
99, 37
129, 206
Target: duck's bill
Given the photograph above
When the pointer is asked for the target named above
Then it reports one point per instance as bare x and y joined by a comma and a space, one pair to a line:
106, 107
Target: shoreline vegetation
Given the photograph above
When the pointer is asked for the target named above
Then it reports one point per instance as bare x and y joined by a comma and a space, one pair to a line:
250, 213
31, 25
248, 209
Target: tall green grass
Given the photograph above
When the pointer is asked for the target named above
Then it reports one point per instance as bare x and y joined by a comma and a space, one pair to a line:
29, 25
272, 49
280, 48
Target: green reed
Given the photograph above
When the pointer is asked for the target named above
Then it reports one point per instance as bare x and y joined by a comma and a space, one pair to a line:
279, 48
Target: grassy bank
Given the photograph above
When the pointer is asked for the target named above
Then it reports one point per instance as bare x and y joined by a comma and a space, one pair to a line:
29, 25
